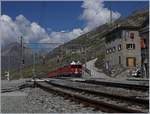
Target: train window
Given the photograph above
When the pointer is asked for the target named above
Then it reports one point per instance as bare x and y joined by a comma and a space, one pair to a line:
79, 66
76, 66
73, 66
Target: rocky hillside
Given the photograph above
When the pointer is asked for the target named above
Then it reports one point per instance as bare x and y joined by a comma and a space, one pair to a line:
91, 44
10, 56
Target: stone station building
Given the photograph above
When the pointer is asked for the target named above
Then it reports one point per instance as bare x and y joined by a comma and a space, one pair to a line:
127, 47
122, 46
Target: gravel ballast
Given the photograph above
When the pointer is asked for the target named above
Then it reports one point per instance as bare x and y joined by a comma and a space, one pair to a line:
36, 100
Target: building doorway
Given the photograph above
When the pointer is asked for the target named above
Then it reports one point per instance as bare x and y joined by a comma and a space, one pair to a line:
131, 61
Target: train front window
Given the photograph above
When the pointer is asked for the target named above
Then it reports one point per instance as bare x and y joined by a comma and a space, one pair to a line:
79, 66
76, 66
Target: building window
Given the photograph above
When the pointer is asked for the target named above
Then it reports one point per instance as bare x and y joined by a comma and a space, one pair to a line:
113, 49
143, 41
119, 59
132, 35
119, 47
130, 46
131, 61
110, 50
127, 34
107, 51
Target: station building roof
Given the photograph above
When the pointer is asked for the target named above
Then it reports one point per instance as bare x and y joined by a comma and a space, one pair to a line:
120, 27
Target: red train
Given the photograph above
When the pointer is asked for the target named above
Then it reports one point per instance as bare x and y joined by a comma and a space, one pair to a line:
74, 69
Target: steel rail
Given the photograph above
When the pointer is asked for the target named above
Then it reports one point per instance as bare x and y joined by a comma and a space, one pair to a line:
130, 99
17, 88
113, 84
9, 90
106, 107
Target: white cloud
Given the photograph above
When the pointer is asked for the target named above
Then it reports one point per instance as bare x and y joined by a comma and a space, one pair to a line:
31, 31
12, 30
96, 14
8, 30
65, 36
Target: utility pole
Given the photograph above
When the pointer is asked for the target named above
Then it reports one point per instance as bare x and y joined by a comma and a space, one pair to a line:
110, 14
85, 52
21, 55
85, 57
33, 68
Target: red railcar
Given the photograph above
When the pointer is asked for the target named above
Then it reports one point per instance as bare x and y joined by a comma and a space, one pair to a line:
74, 70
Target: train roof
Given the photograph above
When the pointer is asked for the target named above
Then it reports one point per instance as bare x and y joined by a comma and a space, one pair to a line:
75, 63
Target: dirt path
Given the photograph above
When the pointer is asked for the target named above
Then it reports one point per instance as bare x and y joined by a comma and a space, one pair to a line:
95, 72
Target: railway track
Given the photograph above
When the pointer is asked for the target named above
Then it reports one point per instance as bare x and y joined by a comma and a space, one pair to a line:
8, 90
102, 101
129, 92
17, 88
114, 84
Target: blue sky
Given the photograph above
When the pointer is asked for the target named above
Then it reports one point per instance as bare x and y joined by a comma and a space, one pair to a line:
50, 21
59, 16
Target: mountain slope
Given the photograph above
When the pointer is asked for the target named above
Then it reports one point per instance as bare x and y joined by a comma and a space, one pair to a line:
91, 44
84, 48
